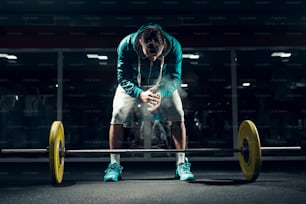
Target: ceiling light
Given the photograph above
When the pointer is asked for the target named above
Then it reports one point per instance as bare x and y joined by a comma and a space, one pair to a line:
7, 56
191, 56
102, 57
96, 56
281, 54
184, 85
246, 84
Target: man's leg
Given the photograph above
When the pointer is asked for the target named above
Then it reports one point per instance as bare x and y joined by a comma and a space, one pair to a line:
173, 112
114, 170
178, 132
122, 105
179, 137
115, 140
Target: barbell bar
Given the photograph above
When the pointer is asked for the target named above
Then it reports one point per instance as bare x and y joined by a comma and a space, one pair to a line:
249, 149
123, 151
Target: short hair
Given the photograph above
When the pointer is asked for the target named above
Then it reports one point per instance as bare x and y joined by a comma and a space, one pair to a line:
153, 39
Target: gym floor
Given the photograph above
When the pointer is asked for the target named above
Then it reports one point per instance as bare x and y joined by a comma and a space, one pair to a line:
153, 182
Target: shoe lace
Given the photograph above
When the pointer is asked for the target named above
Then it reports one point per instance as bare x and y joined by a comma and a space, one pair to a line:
112, 168
185, 167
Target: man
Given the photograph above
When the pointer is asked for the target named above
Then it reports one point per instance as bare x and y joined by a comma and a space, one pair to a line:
149, 71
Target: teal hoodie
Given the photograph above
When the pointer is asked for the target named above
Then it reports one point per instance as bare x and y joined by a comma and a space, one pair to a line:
129, 54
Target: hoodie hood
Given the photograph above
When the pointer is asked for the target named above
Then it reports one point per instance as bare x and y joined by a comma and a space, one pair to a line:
136, 36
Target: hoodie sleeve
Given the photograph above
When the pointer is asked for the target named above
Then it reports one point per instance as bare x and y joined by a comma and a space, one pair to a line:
125, 76
173, 71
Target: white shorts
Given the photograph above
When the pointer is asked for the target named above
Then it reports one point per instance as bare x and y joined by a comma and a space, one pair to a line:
171, 108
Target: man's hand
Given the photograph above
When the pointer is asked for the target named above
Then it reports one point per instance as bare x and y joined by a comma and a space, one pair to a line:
150, 98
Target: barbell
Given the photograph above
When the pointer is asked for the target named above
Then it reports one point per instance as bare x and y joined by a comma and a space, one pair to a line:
249, 150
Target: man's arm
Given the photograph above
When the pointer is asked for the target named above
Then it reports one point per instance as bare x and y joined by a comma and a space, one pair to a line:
172, 79
125, 73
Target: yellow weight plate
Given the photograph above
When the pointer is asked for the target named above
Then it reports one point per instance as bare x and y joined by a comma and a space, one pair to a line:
250, 155
56, 152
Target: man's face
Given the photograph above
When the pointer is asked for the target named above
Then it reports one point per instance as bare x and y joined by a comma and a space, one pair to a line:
152, 48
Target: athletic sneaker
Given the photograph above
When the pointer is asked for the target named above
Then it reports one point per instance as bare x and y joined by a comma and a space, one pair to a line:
113, 172
183, 172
